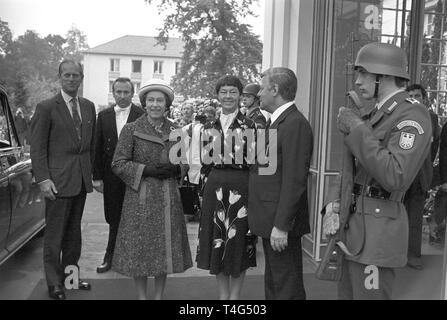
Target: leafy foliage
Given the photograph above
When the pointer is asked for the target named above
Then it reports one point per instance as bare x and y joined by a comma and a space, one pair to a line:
29, 64
217, 42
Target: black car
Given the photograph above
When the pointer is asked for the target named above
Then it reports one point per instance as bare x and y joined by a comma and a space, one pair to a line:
22, 206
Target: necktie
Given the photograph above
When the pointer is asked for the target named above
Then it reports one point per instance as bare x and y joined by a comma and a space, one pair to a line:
76, 119
269, 122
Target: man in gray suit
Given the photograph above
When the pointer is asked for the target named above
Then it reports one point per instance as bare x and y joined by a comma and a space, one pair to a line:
62, 134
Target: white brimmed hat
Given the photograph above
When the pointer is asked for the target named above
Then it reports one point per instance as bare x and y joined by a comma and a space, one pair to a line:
156, 85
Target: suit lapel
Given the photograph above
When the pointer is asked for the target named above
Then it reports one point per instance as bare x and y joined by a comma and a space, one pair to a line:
86, 119
66, 116
111, 121
283, 115
134, 114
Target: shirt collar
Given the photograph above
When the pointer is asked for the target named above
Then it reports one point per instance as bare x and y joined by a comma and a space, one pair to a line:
67, 98
230, 115
119, 109
280, 110
381, 103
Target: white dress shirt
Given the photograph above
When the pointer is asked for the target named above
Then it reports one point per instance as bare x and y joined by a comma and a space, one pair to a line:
280, 110
121, 117
67, 100
226, 120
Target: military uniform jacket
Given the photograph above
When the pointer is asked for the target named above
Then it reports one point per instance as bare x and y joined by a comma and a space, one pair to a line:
389, 150
259, 119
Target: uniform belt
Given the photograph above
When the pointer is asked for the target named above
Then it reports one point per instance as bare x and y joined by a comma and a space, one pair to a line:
371, 191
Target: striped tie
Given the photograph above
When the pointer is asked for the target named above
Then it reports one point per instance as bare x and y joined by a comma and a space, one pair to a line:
76, 119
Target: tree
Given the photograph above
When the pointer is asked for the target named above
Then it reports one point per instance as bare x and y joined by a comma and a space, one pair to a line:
76, 43
29, 64
216, 40
5, 38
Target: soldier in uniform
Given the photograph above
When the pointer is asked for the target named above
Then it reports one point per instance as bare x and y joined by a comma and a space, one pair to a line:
250, 101
389, 145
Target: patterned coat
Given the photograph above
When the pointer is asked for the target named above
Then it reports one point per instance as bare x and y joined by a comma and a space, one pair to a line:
152, 238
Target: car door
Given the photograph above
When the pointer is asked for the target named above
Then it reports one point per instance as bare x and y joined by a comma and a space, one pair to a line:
5, 200
26, 202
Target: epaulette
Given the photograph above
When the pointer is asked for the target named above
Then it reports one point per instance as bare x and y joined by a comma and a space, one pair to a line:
412, 100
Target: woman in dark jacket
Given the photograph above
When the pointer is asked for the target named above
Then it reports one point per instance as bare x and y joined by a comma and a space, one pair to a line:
225, 246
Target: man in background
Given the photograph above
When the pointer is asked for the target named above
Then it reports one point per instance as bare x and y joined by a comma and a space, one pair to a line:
250, 101
109, 124
415, 196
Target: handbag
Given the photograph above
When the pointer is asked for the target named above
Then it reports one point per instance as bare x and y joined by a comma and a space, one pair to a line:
189, 197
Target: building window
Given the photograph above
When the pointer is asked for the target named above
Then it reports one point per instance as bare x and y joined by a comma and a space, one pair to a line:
115, 65
136, 66
111, 86
177, 67
158, 66
136, 86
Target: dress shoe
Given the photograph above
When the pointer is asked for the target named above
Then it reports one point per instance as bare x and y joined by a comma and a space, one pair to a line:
56, 292
415, 263
106, 266
84, 285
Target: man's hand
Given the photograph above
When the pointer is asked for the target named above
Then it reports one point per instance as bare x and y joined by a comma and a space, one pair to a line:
98, 185
348, 119
48, 189
444, 187
278, 239
331, 221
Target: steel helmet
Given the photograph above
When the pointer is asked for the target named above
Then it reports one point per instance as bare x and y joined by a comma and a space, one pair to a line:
156, 85
251, 88
384, 59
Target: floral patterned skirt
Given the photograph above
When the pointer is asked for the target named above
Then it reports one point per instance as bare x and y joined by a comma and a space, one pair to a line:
224, 243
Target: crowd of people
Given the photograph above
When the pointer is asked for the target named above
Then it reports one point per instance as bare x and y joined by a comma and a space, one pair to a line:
126, 153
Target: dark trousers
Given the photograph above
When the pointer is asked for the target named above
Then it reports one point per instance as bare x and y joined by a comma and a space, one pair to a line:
114, 190
355, 279
62, 240
414, 204
283, 277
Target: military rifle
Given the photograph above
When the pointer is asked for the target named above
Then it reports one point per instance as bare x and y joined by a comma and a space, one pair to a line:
331, 265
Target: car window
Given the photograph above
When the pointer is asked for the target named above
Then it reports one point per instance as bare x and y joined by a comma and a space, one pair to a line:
5, 140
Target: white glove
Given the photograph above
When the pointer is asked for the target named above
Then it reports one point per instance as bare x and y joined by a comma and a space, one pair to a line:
331, 221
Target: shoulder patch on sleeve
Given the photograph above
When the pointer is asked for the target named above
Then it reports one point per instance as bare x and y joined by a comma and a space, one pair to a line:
406, 141
411, 123
412, 100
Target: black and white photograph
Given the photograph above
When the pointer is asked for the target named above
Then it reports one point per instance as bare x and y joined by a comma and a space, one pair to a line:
199, 151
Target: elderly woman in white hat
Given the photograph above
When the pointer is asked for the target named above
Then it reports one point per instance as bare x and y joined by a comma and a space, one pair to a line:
152, 240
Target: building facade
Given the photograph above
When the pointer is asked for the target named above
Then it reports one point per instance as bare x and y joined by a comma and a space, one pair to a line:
319, 40
136, 57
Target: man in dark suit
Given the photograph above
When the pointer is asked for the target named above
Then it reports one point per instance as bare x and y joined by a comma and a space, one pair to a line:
415, 196
62, 131
277, 203
109, 124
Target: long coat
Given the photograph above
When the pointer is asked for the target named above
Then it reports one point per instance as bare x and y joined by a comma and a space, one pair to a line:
152, 238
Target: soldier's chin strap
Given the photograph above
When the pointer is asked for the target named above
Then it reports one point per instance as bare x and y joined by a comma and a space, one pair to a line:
376, 90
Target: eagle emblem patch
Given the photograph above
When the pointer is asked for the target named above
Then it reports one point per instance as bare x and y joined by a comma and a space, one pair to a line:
406, 141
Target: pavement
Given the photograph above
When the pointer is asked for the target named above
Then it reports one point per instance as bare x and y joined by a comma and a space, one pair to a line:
21, 273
